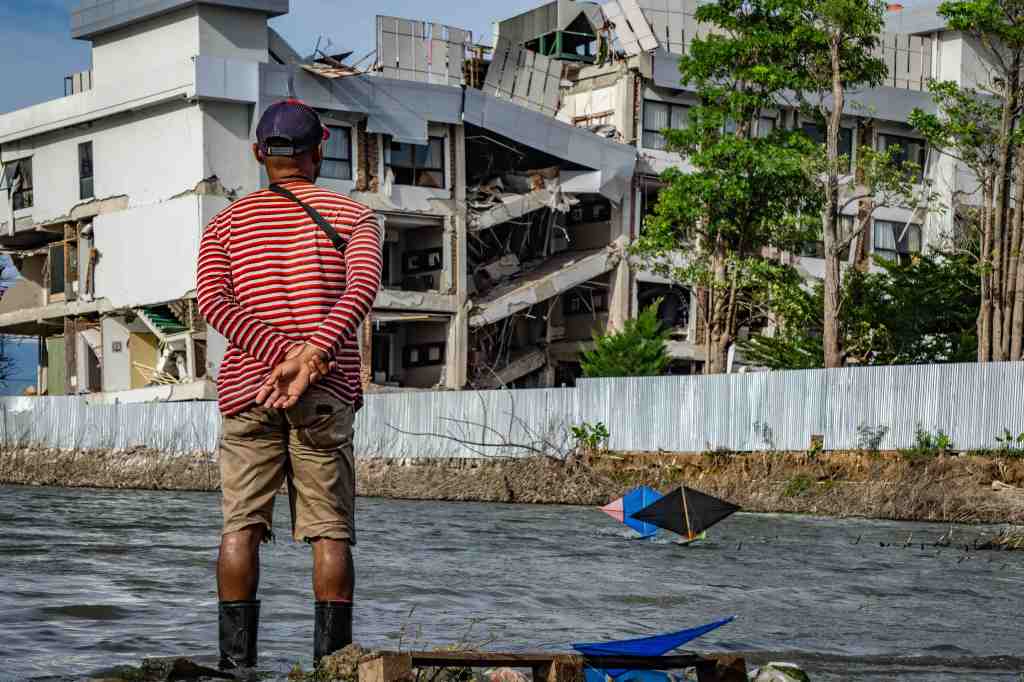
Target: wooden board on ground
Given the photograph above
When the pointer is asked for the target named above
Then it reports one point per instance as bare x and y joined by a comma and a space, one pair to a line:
548, 667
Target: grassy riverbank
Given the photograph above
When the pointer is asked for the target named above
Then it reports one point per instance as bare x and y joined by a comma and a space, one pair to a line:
897, 486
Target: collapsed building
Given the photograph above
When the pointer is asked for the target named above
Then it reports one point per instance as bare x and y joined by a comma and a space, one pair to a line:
509, 181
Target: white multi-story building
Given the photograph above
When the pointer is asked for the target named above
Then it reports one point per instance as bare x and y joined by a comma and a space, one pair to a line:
507, 188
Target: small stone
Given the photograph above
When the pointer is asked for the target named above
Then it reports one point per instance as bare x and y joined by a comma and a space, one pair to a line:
779, 672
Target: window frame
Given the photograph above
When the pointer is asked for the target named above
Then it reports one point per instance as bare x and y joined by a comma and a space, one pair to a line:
18, 197
886, 140
645, 131
903, 250
337, 128
416, 169
57, 267
436, 252
816, 249
86, 181
423, 351
843, 130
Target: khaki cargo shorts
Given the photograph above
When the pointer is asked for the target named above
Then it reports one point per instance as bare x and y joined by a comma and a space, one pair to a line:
309, 447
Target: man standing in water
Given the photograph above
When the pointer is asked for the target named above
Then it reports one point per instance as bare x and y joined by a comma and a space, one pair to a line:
287, 275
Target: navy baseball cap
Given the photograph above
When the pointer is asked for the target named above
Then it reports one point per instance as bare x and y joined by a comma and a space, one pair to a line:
290, 127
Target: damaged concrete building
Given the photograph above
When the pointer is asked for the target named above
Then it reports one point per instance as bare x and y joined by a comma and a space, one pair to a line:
508, 180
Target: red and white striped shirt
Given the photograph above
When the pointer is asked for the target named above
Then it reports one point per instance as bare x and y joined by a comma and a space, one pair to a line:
269, 278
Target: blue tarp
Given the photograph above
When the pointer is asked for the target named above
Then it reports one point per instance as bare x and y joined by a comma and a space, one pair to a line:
634, 501
658, 645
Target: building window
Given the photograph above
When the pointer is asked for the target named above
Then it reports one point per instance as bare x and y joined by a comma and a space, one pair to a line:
657, 117
423, 260
817, 134
909, 150
418, 165
85, 187
56, 266
337, 163
423, 355
585, 302
18, 182
816, 249
897, 241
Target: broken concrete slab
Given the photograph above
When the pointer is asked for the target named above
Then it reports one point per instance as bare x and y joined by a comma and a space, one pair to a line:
511, 207
520, 367
555, 276
415, 300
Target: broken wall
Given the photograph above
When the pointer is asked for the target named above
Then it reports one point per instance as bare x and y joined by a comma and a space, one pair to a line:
149, 156
421, 199
29, 291
601, 96
130, 241
227, 148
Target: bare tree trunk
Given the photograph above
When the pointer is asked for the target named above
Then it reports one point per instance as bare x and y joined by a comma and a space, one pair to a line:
999, 242
718, 324
985, 261
1015, 317
830, 220
861, 246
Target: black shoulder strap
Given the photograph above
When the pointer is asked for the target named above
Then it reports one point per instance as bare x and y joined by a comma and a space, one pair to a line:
332, 234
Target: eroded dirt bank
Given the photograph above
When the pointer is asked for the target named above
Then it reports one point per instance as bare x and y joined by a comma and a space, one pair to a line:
946, 488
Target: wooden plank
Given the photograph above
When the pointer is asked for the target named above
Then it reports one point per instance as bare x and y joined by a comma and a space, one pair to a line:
530, 660
387, 668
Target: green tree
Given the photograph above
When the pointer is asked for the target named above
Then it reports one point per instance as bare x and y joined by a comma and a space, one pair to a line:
639, 350
918, 312
835, 53
979, 126
744, 191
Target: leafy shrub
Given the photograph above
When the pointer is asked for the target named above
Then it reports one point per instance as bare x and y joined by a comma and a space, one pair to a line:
928, 444
591, 438
797, 486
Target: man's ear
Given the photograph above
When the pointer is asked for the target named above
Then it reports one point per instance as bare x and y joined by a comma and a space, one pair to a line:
258, 154
318, 154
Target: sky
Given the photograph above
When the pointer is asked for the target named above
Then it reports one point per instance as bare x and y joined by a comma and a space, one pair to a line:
37, 52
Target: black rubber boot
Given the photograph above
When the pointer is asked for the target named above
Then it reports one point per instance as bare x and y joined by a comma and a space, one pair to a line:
333, 629
239, 628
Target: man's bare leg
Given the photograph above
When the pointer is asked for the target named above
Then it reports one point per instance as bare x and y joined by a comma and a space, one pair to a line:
333, 570
238, 565
333, 586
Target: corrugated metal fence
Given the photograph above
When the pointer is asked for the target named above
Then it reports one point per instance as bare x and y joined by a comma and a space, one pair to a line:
742, 412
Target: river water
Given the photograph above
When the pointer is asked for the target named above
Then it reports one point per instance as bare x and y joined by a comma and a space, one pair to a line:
91, 579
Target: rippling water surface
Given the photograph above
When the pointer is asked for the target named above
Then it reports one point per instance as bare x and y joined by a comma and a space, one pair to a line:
91, 579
